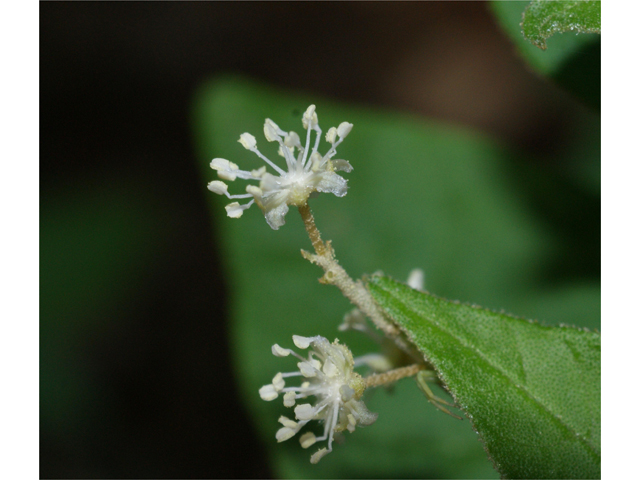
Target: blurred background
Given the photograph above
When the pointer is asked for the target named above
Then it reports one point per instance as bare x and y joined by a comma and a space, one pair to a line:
136, 375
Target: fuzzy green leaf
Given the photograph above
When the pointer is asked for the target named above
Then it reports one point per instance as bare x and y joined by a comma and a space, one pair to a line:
532, 392
543, 18
571, 60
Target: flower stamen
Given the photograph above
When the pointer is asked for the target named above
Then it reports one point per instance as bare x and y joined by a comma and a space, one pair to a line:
329, 376
308, 173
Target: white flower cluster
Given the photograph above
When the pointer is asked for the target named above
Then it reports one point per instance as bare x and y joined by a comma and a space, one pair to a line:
328, 375
307, 172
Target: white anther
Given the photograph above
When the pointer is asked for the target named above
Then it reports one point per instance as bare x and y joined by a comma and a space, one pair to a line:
331, 135
289, 399
253, 190
248, 141
307, 440
307, 369
305, 411
278, 382
292, 140
287, 422
234, 210
344, 128
271, 130
302, 342
268, 393
285, 433
315, 458
218, 187
278, 351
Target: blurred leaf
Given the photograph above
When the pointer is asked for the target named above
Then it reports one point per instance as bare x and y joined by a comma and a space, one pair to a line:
543, 18
421, 194
570, 60
531, 391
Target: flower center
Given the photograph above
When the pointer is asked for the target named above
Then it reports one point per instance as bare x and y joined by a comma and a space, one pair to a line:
299, 189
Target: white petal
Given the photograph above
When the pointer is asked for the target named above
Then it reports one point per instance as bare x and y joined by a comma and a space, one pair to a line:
278, 351
305, 411
268, 393
341, 165
248, 141
270, 183
315, 458
307, 440
332, 183
275, 216
361, 413
346, 392
218, 187
285, 433
329, 368
344, 128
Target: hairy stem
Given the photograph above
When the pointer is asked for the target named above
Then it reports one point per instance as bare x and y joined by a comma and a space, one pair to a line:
312, 230
392, 375
334, 274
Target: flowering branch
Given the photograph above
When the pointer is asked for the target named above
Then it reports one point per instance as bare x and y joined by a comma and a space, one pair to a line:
328, 371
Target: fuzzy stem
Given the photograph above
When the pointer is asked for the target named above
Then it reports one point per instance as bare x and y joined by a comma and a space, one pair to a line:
392, 375
334, 274
312, 230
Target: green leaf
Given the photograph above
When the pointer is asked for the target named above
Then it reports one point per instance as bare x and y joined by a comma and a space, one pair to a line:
543, 18
532, 392
571, 60
422, 194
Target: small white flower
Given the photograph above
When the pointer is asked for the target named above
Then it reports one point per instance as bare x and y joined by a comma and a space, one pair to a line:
328, 375
307, 171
